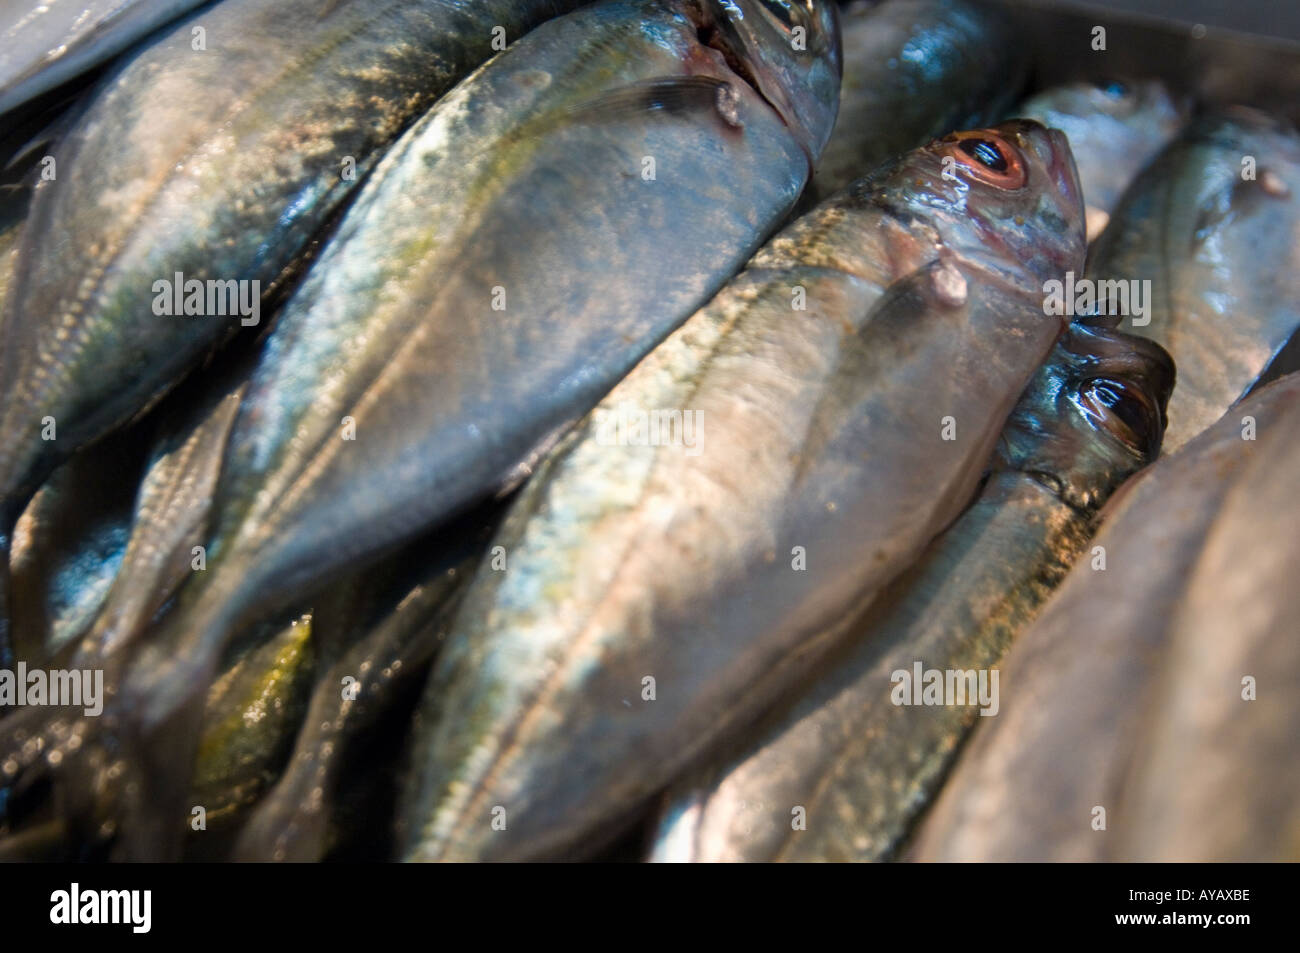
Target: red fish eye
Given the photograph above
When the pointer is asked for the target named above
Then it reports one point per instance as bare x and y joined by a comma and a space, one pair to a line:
988, 158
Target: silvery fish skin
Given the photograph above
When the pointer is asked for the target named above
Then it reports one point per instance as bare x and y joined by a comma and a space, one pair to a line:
298, 819
393, 332
914, 69
1077, 685
45, 44
1221, 253
822, 426
1115, 128
1215, 777
259, 127
859, 766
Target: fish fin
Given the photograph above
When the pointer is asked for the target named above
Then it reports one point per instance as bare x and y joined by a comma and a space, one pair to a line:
1285, 360
671, 94
20, 165
1239, 198
863, 361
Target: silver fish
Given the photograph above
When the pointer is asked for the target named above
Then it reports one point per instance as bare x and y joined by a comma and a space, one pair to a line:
653, 595
1037, 781
1115, 128
1215, 773
1212, 227
913, 70
841, 771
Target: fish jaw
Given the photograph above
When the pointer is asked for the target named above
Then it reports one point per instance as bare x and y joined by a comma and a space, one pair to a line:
803, 86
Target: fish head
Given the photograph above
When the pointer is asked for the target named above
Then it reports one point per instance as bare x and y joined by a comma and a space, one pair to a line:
789, 51
1006, 200
1147, 104
1093, 414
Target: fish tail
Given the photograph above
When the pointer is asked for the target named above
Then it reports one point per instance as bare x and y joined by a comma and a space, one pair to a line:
163, 719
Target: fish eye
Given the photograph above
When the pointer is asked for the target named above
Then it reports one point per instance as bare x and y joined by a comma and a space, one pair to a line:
1115, 88
789, 13
1124, 411
988, 158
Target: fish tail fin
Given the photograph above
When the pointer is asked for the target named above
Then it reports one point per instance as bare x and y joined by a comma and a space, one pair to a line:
164, 698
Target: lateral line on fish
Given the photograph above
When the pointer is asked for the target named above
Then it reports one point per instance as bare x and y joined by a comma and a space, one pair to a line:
546, 691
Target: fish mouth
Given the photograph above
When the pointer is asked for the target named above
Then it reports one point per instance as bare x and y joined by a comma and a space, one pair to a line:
796, 100
1063, 170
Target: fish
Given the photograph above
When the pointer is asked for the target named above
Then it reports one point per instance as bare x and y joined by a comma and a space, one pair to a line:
375, 680
44, 45
1115, 128
657, 593
1216, 769
211, 157
913, 70
841, 770
1046, 780
96, 560
1212, 228
524, 187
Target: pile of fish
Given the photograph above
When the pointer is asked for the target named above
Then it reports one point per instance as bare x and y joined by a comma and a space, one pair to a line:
682, 430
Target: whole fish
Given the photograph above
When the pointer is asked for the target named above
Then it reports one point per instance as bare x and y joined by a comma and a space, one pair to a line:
208, 157
1046, 778
509, 260
658, 591
913, 70
841, 772
1115, 128
1212, 229
1216, 771
380, 674
45, 44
